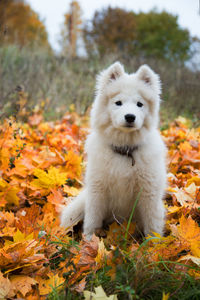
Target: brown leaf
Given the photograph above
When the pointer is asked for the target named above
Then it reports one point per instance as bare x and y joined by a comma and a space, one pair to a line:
5, 287
22, 284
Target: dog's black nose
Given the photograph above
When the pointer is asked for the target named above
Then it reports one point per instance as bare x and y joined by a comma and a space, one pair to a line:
129, 118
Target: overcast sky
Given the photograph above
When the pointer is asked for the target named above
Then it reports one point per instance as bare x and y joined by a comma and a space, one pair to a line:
52, 12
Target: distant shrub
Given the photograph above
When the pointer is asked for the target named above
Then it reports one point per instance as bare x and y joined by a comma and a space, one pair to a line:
57, 82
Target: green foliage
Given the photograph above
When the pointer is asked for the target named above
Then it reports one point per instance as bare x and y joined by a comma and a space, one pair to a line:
154, 34
160, 36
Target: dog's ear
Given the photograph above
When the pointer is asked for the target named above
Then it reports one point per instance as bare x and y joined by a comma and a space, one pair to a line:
115, 71
149, 78
109, 75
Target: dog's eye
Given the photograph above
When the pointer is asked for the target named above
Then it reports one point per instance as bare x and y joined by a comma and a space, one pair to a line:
139, 104
118, 103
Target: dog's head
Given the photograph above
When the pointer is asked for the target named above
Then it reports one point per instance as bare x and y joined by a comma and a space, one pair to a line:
126, 102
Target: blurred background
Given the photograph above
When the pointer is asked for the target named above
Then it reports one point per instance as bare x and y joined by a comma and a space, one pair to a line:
51, 51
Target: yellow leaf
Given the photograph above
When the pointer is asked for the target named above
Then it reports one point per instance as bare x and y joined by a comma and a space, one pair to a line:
183, 121
195, 248
165, 296
102, 253
173, 209
2, 184
72, 107
49, 180
46, 286
194, 179
19, 236
8, 193
98, 295
171, 190
71, 191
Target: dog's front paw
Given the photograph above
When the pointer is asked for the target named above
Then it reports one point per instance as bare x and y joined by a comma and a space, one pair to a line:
88, 233
88, 237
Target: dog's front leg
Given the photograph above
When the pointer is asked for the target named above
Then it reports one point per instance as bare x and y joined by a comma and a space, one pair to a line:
95, 210
152, 213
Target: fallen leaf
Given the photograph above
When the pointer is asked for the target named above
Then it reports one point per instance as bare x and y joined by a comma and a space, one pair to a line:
50, 179
8, 193
79, 288
71, 191
56, 198
191, 190
46, 286
99, 294
194, 179
194, 259
5, 287
165, 296
22, 284
102, 253
35, 119
182, 197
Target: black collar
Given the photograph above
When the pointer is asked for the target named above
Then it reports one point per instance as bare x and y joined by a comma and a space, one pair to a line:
125, 150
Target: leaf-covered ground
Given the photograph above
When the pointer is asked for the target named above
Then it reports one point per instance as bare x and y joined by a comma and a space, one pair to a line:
41, 167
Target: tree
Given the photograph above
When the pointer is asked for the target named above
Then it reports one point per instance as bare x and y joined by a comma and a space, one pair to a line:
72, 29
19, 24
111, 30
154, 34
159, 35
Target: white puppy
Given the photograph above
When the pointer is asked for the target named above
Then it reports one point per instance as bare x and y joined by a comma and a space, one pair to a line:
126, 155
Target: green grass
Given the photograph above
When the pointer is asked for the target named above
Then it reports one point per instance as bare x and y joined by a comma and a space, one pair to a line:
135, 277
135, 280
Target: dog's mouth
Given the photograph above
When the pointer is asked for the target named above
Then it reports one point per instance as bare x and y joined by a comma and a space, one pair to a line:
129, 125
126, 127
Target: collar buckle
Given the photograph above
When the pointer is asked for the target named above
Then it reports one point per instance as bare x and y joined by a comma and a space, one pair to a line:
125, 151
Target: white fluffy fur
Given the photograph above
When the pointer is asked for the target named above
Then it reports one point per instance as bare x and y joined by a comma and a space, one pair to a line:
112, 183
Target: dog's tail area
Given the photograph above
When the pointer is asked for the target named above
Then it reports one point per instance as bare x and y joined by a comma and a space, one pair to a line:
74, 212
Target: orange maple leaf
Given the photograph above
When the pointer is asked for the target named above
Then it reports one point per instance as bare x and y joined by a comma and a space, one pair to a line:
73, 164
56, 198
190, 232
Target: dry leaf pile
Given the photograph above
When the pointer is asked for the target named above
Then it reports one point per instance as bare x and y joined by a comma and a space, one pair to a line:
40, 170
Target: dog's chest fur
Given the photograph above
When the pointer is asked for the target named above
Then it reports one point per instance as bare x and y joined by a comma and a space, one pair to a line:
121, 180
